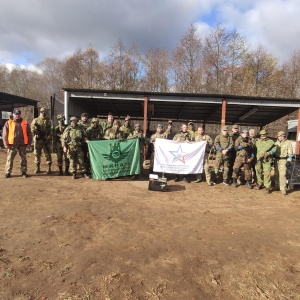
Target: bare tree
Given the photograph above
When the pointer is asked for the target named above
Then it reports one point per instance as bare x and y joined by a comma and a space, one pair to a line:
122, 72
156, 68
260, 67
187, 63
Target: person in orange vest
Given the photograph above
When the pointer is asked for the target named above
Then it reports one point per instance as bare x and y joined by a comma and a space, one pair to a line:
17, 137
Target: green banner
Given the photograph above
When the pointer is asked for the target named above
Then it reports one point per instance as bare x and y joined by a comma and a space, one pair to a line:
114, 158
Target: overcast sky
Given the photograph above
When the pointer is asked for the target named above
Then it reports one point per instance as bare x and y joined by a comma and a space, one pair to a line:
31, 30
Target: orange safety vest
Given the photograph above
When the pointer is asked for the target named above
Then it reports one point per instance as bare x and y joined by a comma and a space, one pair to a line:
11, 131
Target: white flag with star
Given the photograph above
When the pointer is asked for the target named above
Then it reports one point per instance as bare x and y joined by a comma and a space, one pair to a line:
178, 157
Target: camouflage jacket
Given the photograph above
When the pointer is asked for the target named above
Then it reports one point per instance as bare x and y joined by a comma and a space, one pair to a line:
41, 128
126, 130
58, 133
113, 134
94, 133
204, 137
223, 142
106, 125
284, 149
84, 125
264, 145
244, 147
156, 135
192, 133
182, 136
73, 136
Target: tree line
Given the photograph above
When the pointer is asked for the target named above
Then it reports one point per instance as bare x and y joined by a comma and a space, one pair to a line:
220, 63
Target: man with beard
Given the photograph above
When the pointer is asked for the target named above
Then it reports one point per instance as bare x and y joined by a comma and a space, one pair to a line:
42, 130
16, 138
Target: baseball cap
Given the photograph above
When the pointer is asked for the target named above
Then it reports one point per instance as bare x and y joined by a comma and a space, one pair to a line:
263, 132
235, 126
281, 133
84, 115
16, 111
224, 127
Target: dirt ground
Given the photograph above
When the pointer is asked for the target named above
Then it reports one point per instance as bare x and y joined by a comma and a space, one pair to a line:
86, 239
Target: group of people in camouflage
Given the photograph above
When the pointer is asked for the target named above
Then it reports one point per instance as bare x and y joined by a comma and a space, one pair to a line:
233, 151
229, 151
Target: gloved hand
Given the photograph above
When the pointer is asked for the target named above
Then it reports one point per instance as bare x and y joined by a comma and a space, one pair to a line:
288, 164
266, 155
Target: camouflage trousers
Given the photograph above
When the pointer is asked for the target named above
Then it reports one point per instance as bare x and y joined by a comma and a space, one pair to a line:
280, 174
61, 156
11, 154
76, 158
222, 159
241, 161
206, 169
263, 173
40, 146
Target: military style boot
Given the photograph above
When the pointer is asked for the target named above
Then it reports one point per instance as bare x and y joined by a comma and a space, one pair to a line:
234, 183
49, 169
86, 176
73, 175
60, 173
199, 179
67, 171
37, 169
248, 184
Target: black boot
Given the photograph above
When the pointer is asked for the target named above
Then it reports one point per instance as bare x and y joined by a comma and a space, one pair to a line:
67, 171
49, 169
248, 184
234, 182
60, 173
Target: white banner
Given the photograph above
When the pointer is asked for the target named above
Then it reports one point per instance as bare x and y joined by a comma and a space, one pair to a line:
178, 157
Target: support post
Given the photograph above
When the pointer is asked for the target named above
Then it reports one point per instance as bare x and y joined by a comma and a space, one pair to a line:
145, 127
223, 120
298, 135
66, 106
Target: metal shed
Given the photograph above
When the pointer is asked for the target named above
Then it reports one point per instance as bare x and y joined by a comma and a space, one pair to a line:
204, 108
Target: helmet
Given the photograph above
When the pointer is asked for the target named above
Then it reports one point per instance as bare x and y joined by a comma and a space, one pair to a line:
281, 133
73, 119
60, 117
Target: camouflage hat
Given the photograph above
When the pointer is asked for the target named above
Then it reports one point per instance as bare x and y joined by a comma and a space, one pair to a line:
116, 122
159, 126
84, 115
60, 117
73, 119
245, 130
94, 120
281, 133
127, 118
224, 127
252, 131
263, 132
43, 109
235, 126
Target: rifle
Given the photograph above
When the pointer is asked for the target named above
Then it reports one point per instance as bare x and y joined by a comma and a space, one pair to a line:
263, 156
